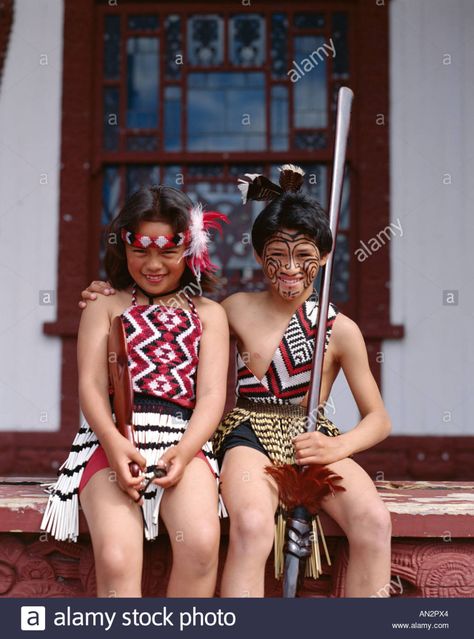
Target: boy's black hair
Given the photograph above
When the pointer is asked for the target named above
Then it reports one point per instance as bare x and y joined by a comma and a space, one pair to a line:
155, 203
294, 211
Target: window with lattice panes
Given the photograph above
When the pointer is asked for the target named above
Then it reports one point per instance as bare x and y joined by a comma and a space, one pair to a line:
195, 99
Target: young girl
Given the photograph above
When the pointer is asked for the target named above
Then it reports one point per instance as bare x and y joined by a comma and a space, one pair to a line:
178, 350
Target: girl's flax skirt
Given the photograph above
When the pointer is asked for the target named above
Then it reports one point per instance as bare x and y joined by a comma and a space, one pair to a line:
158, 425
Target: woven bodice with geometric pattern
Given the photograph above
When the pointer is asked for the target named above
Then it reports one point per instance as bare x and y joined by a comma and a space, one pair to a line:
163, 350
288, 377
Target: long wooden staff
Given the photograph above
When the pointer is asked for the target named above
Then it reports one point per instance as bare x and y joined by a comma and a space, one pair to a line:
344, 103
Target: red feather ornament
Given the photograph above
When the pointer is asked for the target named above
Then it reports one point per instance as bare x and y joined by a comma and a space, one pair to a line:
304, 486
198, 238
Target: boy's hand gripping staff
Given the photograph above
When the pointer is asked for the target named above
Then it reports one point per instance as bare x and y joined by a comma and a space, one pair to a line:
302, 489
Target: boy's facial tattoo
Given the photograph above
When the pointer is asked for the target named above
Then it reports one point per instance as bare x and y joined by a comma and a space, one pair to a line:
290, 262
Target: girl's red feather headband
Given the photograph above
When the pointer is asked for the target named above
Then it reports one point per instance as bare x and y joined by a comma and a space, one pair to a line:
196, 239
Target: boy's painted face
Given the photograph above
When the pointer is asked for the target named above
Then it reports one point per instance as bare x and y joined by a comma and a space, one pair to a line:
156, 270
291, 261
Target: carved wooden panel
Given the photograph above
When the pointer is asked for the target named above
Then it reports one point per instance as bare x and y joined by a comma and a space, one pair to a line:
47, 568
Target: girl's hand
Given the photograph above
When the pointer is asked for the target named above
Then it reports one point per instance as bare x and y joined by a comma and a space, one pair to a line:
120, 452
317, 448
174, 462
90, 293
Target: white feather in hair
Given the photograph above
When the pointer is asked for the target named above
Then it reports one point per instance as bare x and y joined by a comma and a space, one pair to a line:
197, 251
199, 237
291, 167
244, 185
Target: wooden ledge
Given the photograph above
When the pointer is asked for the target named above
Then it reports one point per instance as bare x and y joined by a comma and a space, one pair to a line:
425, 516
418, 509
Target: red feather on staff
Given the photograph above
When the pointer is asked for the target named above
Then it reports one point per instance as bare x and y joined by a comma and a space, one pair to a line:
304, 486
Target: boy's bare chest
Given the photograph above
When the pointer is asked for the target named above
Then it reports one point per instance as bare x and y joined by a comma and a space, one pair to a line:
259, 338
257, 345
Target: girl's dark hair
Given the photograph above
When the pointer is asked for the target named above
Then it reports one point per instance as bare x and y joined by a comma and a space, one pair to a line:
295, 211
152, 204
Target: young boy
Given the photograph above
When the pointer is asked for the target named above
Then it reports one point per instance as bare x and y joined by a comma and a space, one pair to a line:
275, 339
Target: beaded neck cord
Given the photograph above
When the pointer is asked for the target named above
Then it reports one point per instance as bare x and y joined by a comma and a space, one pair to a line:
151, 296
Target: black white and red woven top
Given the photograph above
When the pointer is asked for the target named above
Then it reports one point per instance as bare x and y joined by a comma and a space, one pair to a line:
163, 350
288, 377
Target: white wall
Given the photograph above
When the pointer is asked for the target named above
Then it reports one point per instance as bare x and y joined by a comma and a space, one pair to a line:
428, 376
30, 120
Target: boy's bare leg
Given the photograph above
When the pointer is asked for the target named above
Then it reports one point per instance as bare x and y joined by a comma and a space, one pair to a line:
251, 499
116, 529
365, 519
189, 511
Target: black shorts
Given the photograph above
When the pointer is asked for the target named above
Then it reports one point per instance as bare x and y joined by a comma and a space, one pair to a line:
244, 435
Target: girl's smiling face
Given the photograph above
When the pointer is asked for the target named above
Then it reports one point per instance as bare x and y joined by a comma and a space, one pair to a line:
291, 261
153, 269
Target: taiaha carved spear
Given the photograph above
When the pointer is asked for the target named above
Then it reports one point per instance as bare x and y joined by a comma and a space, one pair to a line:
302, 489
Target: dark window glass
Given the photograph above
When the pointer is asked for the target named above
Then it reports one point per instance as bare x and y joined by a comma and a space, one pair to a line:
279, 45
142, 83
340, 63
172, 175
205, 171
112, 47
142, 143
310, 89
143, 22
309, 20
340, 279
316, 182
226, 112
279, 106
110, 194
309, 140
139, 175
173, 48
205, 40
172, 128
111, 118
247, 40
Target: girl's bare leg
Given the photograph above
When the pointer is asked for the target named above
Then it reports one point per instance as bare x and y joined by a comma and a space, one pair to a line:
251, 499
189, 511
365, 519
116, 529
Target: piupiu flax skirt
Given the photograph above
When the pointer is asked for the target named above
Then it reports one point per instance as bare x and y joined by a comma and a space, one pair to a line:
158, 426
271, 428
274, 425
